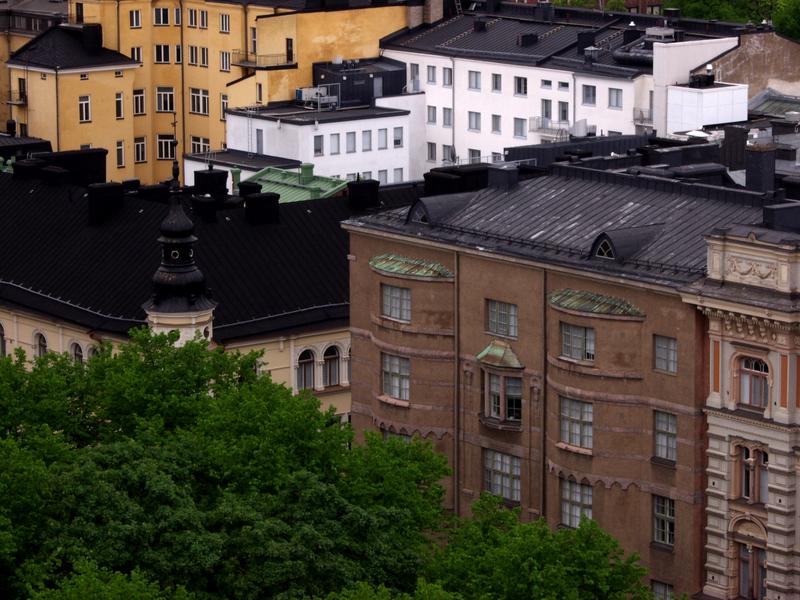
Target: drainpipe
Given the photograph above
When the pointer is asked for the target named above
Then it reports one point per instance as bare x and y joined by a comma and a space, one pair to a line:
457, 389
543, 394
183, 91
118, 50
453, 105
574, 99
58, 118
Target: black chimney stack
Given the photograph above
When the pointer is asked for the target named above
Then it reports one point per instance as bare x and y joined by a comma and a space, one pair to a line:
760, 167
585, 39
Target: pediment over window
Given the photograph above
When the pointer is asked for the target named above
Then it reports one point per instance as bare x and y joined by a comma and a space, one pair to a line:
500, 355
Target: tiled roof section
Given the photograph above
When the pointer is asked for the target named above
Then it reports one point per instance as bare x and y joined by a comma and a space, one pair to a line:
590, 302
265, 277
292, 188
557, 219
62, 47
394, 264
499, 354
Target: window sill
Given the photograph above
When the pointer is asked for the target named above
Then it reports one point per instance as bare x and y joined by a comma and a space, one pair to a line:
667, 548
663, 462
332, 389
574, 449
589, 105
500, 335
749, 408
664, 372
495, 423
745, 505
614, 108
394, 401
520, 95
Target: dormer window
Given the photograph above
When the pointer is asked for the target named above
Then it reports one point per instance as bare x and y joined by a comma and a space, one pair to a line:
605, 250
418, 215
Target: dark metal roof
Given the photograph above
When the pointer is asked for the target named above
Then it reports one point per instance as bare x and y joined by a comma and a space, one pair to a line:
243, 159
297, 115
264, 277
557, 219
62, 47
13, 146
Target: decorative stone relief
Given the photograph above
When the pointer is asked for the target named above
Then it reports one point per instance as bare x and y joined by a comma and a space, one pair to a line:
754, 328
747, 269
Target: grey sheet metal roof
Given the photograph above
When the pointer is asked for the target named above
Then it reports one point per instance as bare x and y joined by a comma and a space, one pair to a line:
557, 219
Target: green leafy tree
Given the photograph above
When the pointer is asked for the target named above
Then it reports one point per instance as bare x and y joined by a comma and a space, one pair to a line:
786, 18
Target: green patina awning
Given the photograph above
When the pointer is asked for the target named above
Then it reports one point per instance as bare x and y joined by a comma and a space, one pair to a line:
500, 354
395, 264
590, 302
296, 186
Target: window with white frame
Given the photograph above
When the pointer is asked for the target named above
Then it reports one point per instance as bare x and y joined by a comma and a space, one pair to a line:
754, 382
474, 155
259, 93
203, 19
139, 150
396, 376
161, 53
200, 144
563, 112
501, 318
431, 74
474, 80
397, 136
664, 520
614, 98
366, 140
753, 467
547, 84
224, 23
193, 55
576, 502
334, 144
577, 342
496, 124
432, 115
198, 101
431, 151
84, 109
396, 302
474, 121
350, 141
135, 19
520, 86
563, 86
665, 353
447, 117
120, 154
76, 352
330, 367
589, 95
666, 435
501, 474
136, 53
576, 423
165, 146
192, 21
447, 76
366, 175
203, 56
160, 16
177, 15
662, 591
497, 157
223, 106
497, 82
119, 107
382, 139
383, 177
319, 145
224, 61
520, 127
178, 54
547, 108
502, 396
305, 370
39, 345
253, 40
447, 152
398, 175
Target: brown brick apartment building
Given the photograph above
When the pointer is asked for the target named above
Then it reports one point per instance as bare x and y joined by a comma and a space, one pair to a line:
535, 332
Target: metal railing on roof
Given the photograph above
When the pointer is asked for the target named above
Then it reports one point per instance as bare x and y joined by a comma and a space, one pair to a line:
547, 125
642, 116
243, 58
17, 97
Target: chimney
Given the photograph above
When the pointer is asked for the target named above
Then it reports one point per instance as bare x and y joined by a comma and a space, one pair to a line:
432, 11
526, 40
205, 207
585, 39
306, 175
262, 208
547, 10
53, 175
590, 54
479, 24
760, 167
212, 181
503, 177
631, 34
363, 194
247, 188
92, 37
28, 168
782, 217
672, 14
104, 199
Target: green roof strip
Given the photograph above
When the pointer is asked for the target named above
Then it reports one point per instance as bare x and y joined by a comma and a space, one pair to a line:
499, 354
590, 302
395, 264
296, 186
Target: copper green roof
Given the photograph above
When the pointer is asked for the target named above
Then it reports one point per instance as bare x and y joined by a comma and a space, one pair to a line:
500, 354
294, 185
395, 264
589, 302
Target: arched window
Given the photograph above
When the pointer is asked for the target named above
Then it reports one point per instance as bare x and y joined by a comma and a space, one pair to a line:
605, 250
330, 370
76, 352
2, 341
305, 370
39, 345
92, 351
754, 375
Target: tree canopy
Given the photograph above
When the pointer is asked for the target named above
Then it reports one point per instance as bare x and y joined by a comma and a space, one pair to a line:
163, 473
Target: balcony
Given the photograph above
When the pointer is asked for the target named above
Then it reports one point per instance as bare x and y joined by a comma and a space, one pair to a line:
547, 125
17, 98
642, 116
242, 58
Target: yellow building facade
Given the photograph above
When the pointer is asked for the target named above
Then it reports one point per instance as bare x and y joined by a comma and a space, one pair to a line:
195, 59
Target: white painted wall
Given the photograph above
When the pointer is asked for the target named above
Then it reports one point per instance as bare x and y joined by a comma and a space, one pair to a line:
693, 108
415, 132
605, 117
672, 64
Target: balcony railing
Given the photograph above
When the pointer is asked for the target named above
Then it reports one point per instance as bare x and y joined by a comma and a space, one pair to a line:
18, 98
242, 58
547, 125
642, 116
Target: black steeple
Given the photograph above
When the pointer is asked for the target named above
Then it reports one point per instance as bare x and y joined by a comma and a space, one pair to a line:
178, 283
